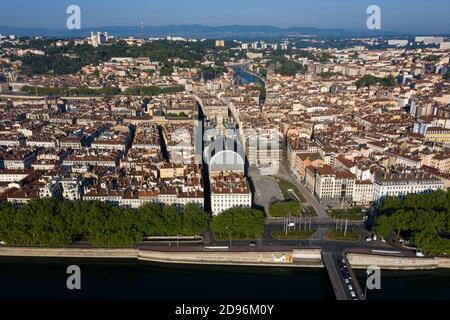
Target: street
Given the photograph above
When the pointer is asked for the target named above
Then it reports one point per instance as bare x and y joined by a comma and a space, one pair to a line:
265, 188
311, 201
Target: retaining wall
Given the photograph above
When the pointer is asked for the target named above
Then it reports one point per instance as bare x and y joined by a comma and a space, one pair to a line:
362, 261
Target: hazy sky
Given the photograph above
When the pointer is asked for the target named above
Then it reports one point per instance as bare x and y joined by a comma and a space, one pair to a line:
415, 16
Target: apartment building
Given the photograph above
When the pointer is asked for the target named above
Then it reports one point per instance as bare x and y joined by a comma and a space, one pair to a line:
363, 193
402, 184
18, 159
296, 146
14, 175
71, 188
441, 162
263, 148
229, 191
50, 189
304, 160
138, 198
334, 185
438, 134
329, 154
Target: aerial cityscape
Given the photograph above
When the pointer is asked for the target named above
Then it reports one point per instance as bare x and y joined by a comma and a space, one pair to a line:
316, 156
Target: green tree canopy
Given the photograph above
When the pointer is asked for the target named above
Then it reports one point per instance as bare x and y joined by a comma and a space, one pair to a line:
49, 222
369, 80
425, 217
239, 222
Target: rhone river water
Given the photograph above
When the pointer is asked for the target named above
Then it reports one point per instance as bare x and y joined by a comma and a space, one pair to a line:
246, 78
32, 278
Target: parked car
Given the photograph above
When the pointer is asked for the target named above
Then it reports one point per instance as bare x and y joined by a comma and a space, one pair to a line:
419, 254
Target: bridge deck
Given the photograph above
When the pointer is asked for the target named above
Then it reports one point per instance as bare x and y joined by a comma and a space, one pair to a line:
339, 270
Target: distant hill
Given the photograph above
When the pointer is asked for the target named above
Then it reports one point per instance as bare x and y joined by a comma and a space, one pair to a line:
193, 31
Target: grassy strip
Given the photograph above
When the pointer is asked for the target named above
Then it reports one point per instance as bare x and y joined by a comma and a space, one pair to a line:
235, 238
353, 214
284, 209
293, 235
311, 211
285, 186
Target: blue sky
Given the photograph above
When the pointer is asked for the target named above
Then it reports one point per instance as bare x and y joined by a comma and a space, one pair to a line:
415, 16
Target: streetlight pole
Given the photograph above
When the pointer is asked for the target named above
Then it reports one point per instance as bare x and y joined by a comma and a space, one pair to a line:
346, 225
229, 234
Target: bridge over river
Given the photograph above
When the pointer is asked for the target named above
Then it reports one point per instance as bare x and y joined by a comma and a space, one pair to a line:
343, 279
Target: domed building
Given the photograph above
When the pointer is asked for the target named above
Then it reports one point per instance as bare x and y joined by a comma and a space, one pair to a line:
229, 185
226, 161
225, 155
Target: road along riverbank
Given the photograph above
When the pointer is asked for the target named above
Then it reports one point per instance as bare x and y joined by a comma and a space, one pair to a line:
307, 258
389, 262
279, 258
68, 252
286, 258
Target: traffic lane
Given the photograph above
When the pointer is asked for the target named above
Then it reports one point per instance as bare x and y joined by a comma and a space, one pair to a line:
269, 229
305, 224
334, 274
331, 223
347, 281
350, 280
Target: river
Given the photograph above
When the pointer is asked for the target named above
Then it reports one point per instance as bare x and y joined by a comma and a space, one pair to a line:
33, 278
245, 77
